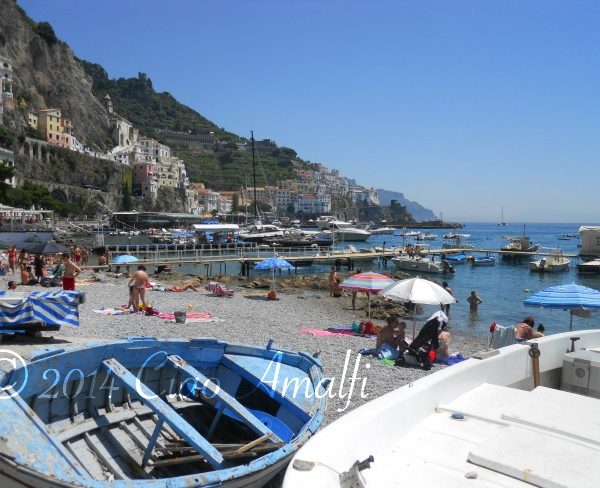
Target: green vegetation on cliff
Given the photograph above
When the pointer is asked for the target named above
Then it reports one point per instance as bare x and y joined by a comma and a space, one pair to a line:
224, 167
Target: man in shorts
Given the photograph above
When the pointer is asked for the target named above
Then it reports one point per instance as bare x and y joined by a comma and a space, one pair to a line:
70, 273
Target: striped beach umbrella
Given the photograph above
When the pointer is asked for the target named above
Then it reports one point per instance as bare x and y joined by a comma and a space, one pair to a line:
575, 298
367, 282
274, 263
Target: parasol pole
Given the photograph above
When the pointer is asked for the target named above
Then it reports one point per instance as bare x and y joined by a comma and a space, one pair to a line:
414, 320
368, 305
571, 322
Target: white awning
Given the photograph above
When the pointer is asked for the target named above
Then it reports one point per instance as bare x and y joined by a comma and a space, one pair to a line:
216, 227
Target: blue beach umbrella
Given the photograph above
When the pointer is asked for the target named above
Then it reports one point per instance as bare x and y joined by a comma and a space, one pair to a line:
575, 298
125, 259
273, 264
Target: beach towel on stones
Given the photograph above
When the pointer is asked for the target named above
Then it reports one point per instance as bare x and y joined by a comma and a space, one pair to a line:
192, 317
111, 311
332, 333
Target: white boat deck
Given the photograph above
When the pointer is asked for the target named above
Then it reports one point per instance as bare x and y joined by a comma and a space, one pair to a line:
508, 438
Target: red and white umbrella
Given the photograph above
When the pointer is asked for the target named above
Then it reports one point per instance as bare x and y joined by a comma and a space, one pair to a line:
368, 282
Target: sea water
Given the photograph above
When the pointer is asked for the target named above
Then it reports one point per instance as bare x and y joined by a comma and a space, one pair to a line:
503, 287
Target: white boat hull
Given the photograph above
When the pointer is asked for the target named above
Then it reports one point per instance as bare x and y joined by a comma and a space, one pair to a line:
415, 441
550, 265
421, 265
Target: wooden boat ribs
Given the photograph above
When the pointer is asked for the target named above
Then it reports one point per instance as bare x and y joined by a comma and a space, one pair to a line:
111, 419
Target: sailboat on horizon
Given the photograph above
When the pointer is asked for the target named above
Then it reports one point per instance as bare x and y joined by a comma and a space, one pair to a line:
502, 223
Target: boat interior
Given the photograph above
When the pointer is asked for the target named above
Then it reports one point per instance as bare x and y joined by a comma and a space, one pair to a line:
516, 419
143, 409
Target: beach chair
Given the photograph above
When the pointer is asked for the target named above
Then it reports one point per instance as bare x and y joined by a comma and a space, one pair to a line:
218, 291
501, 336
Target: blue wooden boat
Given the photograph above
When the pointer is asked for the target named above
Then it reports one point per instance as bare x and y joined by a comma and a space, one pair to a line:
460, 257
151, 413
484, 261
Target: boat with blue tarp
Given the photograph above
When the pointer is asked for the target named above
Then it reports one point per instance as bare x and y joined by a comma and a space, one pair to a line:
143, 412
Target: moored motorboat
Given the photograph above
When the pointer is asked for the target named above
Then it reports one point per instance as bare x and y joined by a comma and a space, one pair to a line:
553, 263
160, 413
589, 267
260, 232
381, 230
460, 257
347, 234
417, 264
484, 261
425, 236
526, 416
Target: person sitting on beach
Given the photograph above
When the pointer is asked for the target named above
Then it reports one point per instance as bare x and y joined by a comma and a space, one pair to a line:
393, 334
524, 330
443, 351
429, 333
137, 285
12, 285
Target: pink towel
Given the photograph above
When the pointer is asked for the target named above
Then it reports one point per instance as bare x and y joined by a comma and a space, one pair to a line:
192, 315
327, 333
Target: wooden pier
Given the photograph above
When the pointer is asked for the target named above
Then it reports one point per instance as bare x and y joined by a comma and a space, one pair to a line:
246, 257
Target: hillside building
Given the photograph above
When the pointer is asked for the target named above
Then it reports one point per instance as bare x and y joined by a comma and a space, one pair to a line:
199, 141
6, 86
7, 157
49, 125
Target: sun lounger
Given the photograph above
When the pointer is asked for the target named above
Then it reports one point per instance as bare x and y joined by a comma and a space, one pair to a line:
502, 336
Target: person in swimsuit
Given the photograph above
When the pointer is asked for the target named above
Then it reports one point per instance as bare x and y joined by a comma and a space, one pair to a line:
332, 280
12, 258
71, 271
137, 284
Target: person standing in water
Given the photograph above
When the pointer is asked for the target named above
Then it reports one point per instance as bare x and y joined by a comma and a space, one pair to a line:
474, 300
446, 308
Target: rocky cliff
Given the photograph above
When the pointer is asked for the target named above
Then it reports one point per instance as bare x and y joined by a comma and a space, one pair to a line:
47, 74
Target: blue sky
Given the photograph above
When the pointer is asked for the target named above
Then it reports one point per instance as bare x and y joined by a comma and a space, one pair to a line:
461, 105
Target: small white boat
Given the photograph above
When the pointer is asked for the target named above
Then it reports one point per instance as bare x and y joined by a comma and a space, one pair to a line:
425, 236
506, 421
381, 230
347, 234
259, 232
589, 267
417, 264
408, 233
329, 222
553, 263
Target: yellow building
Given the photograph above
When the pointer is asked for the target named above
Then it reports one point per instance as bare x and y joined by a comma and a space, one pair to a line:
49, 125
33, 120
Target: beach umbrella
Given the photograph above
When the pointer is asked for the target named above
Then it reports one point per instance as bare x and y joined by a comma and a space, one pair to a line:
273, 264
367, 282
418, 291
125, 259
576, 298
49, 248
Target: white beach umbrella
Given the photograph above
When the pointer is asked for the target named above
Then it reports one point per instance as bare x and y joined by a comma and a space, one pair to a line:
417, 290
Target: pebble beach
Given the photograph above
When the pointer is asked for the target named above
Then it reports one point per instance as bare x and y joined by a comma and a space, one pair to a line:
249, 318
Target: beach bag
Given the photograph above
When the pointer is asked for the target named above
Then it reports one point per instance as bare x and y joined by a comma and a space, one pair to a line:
272, 295
150, 311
